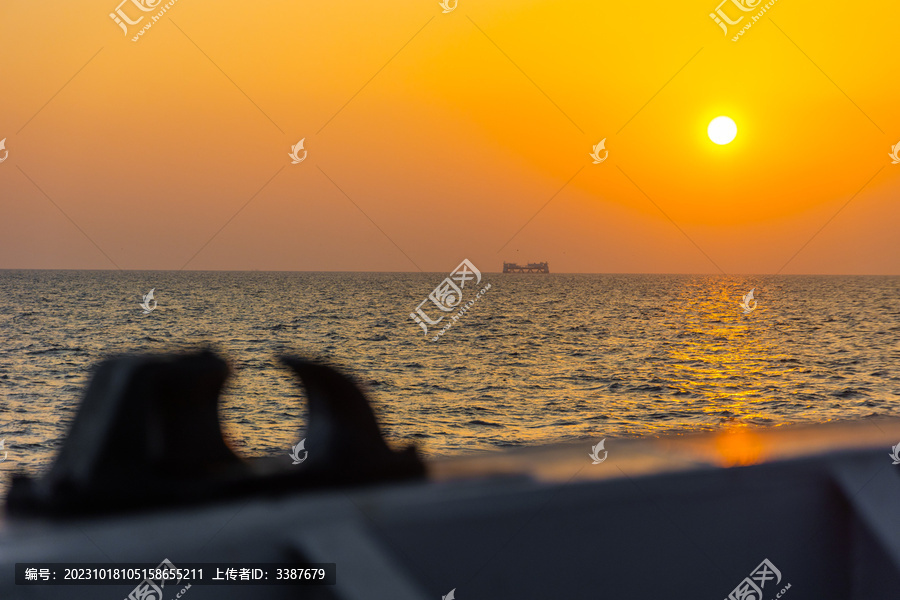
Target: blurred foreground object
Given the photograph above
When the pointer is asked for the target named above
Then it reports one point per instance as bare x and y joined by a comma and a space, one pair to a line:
147, 435
807, 512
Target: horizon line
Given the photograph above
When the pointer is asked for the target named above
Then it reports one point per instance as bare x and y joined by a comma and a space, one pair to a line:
438, 272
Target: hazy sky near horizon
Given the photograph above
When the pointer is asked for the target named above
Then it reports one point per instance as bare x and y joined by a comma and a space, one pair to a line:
433, 137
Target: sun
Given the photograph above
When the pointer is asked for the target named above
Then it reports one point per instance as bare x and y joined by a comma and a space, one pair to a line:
721, 130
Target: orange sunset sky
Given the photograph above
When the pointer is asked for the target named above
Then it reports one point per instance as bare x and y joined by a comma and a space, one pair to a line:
450, 131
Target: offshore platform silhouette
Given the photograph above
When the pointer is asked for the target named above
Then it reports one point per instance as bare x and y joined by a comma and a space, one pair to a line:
541, 267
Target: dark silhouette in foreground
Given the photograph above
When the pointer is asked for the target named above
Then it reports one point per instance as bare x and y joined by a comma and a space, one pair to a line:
147, 434
782, 513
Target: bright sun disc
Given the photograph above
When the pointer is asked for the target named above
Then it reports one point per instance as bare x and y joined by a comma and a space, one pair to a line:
721, 130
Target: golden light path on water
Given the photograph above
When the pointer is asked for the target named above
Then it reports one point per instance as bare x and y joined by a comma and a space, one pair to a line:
717, 350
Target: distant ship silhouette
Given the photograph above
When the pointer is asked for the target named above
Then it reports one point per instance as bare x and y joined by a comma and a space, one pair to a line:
541, 267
